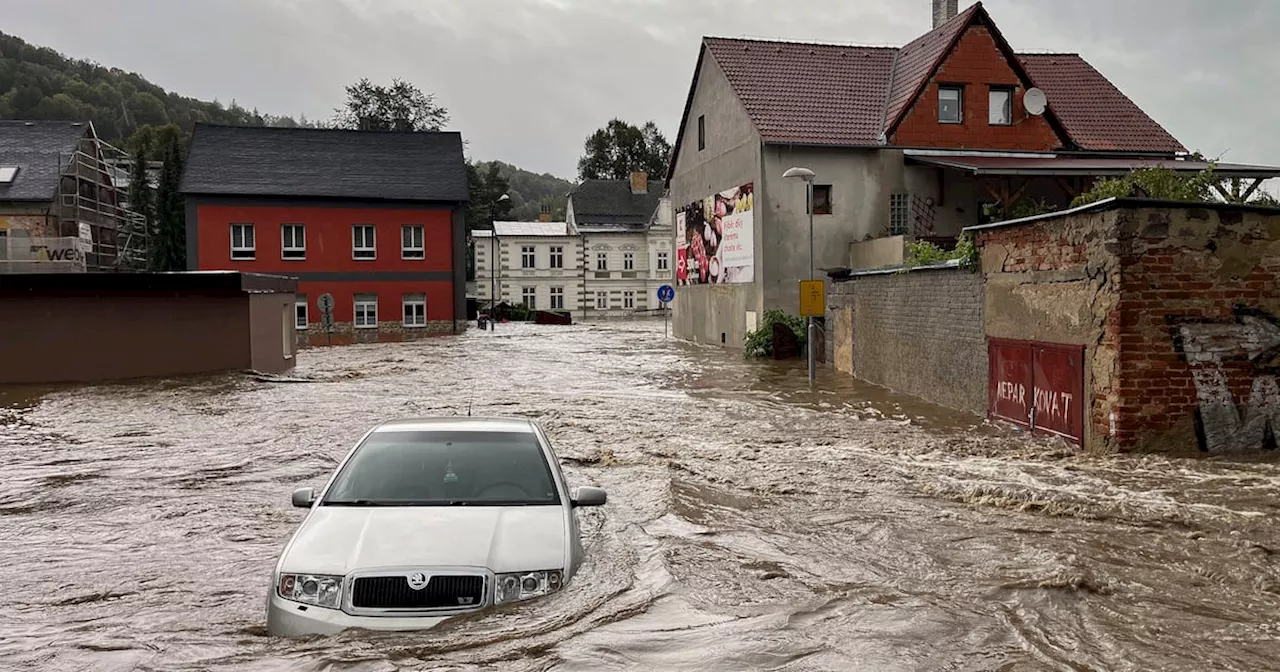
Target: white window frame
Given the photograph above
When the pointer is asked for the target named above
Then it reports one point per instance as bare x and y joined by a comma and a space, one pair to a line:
959, 103
244, 252
556, 293
664, 261
602, 261
8, 174
293, 252
602, 300
557, 256
628, 261
300, 301
417, 300
529, 297
368, 250
411, 251
362, 305
1006, 106
629, 300
528, 256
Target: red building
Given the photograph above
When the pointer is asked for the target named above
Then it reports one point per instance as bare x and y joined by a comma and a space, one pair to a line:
375, 219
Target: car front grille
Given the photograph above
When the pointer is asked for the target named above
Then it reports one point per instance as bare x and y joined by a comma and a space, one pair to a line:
441, 592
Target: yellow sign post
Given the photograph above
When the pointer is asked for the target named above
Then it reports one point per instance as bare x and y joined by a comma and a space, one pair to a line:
813, 298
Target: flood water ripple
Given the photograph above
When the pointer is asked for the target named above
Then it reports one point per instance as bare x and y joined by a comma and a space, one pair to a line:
753, 524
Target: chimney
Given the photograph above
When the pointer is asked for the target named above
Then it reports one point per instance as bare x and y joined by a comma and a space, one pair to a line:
640, 182
944, 11
544, 215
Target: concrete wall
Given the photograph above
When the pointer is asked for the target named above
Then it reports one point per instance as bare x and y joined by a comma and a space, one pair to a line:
718, 313
878, 253
920, 333
273, 338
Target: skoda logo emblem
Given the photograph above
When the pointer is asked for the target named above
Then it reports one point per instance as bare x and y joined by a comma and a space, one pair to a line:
418, 580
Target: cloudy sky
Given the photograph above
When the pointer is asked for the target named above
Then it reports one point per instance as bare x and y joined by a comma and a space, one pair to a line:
527, 80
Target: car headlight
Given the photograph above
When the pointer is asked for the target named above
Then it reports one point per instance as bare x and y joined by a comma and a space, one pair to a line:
526, 585
318, 589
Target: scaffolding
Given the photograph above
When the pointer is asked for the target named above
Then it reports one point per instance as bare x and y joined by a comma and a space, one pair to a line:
91, 205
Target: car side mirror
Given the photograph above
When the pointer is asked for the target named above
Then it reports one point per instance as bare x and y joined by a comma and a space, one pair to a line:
303, 498
589, 496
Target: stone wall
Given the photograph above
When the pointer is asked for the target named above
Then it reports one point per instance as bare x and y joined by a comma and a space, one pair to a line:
345, 332
919, 333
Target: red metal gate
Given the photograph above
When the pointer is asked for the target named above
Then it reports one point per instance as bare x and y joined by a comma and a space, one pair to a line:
1037, 385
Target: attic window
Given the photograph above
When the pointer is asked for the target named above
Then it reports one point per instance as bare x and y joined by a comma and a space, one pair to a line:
950, 105
7, 173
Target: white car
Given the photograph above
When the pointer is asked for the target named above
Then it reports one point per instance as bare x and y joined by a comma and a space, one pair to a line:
428, 519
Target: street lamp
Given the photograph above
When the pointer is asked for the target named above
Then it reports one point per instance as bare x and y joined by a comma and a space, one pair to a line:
808, 175
493, 260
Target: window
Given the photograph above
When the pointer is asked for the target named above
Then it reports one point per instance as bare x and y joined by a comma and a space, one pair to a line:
442, 468
821, 199
899, 214
411, 245
7, 173
629, 300
300, 311
557, 257
529, 297
628, 261
415, 310
602, 261
293, 241
950, 105
362, 242
557, 298
366, 311
663, 263
702, 132
1000, 106
602, 300
528, 256
242, 242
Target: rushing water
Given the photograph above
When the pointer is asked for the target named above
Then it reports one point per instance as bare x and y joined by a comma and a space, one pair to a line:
752, 524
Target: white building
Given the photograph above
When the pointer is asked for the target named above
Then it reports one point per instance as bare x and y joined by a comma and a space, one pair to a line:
621, 229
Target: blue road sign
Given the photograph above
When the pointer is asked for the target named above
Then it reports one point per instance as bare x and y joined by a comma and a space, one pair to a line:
666, 293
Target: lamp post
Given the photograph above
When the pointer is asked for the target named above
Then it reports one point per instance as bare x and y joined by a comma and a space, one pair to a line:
493, 260
807, 176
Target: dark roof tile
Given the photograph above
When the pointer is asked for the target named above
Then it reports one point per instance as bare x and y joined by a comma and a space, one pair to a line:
42, 151
609, 204
298, 162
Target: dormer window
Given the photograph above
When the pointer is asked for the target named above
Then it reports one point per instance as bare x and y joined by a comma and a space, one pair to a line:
950, 105
7, 173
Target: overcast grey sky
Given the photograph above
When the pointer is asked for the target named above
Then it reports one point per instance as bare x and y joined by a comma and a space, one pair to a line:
527, 80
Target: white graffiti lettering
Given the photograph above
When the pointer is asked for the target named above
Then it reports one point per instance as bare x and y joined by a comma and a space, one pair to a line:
1012, 392
1206, 346
1055, 405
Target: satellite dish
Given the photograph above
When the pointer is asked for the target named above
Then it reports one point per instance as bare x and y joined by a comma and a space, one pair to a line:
1035, 101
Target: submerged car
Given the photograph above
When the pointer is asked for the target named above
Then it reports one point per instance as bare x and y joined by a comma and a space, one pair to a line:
425, 520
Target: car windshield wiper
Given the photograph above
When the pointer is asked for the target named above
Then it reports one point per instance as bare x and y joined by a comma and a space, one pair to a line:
361, 502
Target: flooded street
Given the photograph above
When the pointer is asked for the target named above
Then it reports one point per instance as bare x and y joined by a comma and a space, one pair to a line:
752, 524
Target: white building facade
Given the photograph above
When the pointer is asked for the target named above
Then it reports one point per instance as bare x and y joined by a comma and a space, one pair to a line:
606, 261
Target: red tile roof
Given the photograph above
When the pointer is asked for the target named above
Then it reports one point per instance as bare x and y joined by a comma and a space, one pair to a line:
831, 94
1096, 114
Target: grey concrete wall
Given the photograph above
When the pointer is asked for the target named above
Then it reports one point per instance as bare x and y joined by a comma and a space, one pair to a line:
861, 182
878, 253
717, 313
920, 333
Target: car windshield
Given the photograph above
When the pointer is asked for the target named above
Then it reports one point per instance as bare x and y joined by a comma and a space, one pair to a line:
426, 468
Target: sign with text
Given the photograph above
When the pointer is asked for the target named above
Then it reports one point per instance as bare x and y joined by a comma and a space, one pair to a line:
715, 239
813, 298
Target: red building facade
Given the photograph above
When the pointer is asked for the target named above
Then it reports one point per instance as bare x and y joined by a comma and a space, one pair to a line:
391, 257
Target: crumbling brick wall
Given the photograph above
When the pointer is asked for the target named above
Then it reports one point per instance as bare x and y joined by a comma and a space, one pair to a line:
919, 333
1200, 337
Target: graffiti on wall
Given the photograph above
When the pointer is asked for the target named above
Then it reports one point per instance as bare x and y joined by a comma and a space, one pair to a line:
1209, 345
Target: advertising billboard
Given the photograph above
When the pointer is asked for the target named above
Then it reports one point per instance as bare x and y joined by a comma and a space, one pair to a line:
715, 239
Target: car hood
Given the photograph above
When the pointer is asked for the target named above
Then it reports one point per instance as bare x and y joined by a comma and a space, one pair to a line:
340, 539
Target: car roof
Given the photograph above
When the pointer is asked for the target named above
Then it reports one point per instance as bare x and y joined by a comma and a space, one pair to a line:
457, 424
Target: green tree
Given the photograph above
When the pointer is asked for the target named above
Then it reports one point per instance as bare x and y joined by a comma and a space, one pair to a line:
486, 186
168, 240
618, 149
141, 197
399, 107
1159, 183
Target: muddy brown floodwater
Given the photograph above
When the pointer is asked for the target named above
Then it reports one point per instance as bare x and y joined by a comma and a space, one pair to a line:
752, 524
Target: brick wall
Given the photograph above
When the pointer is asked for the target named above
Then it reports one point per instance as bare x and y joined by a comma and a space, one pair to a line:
1199, 335
919, 333
977, 63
